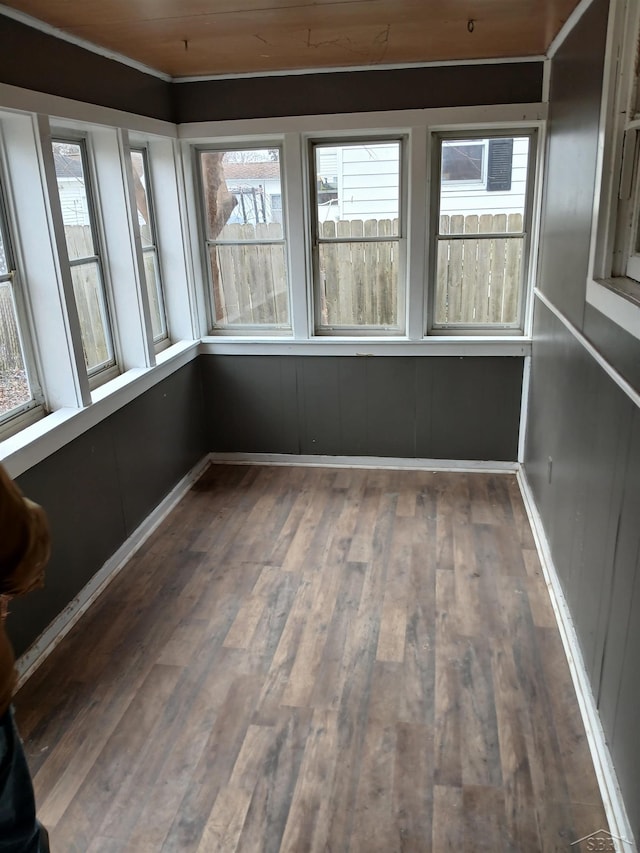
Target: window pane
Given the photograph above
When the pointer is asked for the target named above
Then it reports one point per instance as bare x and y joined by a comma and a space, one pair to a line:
152, 279
142, 199
14, 385
4, 261
461, 205
479, 276
359, 284
74, 199
462, 161
249, 284
93, 316
478, 281
358, 182
242, 191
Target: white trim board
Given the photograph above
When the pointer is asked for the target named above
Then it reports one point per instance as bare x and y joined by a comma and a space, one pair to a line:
433, 346
64, 622
372, 462
48, 29
615, 810
19, 99
620, 381
568, 27
34, 443
340, 69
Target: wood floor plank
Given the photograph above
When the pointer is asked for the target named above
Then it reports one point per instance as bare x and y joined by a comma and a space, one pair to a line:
317, 659
448, 819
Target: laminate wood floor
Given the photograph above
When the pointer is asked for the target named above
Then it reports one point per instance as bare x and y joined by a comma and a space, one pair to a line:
315, 659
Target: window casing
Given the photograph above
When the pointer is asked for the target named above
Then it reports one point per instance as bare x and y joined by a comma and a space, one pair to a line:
481, 233
84, 252
241, 193
146, 224
613, 282
19, 390
357, 219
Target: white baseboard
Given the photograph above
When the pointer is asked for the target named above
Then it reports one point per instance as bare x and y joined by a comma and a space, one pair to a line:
373, 462
64, 622
619, 825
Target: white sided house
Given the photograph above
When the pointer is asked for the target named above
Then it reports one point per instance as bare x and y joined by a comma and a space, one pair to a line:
479, 176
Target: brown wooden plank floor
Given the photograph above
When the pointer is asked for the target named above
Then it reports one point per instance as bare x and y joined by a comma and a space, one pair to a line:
308, 659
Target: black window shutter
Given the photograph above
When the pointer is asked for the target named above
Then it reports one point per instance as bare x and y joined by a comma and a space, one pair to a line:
499, 167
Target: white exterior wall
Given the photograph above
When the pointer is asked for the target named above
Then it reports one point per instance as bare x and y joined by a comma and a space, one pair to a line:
459, 198
367, 180
73, 201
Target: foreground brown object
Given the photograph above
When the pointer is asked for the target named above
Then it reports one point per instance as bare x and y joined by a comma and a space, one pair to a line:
318, 659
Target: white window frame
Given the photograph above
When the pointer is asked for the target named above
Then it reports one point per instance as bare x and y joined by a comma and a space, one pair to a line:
33, 408
214, 325
399, 238
439, 138
162, 340
417, 126
613, 282
107, 370
464, 183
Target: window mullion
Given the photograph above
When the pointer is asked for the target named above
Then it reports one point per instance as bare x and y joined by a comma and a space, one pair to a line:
297, 232
416, 231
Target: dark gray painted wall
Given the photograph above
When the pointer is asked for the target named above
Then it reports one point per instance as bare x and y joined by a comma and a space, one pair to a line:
580, 419
359, 91
574, 115
34, 60
100, 487
440, 407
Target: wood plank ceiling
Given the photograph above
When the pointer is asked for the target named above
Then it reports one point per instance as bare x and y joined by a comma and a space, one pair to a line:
213, 37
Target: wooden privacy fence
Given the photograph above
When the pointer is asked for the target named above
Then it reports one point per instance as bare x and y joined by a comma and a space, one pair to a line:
249, 279
10, 349
359, 278
478, 278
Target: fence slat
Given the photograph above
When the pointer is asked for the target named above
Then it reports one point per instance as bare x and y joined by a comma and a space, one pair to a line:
483, 271
498, 249
513, 266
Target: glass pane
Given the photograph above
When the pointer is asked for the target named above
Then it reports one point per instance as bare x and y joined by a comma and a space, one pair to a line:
142, 198
154, 291
496, 201
14, 384
359, 284
250, 285
4, 260
94, 324
358, 182
74, 199
478, 281
242, 194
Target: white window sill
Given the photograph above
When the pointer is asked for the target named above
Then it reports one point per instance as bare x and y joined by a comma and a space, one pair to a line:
437, 345
34, 443
621, 310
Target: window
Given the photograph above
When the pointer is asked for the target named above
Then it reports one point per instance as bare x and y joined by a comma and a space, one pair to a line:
357, 229
78, 214
613, 283
16, 377
481, 232
626, 258
463, 161
244, 235
149, 242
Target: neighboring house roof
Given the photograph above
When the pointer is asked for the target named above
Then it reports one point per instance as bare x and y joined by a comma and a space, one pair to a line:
251, 171
67, 165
